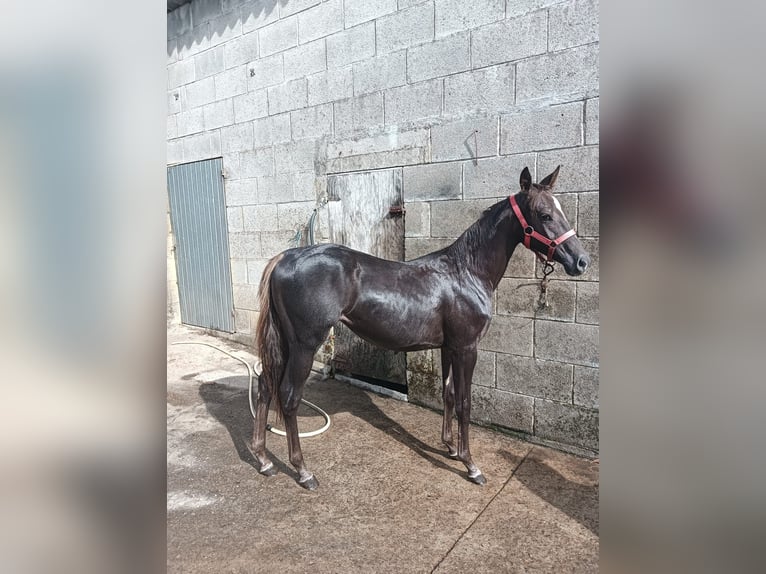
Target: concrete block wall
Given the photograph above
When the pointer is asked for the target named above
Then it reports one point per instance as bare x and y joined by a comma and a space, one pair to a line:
460, 95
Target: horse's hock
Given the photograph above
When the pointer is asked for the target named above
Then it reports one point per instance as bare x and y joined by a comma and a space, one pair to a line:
433, 99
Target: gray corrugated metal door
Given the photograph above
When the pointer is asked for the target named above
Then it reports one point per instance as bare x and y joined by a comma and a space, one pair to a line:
198, 217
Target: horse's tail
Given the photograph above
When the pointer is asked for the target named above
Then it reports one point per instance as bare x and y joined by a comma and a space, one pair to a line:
269, 343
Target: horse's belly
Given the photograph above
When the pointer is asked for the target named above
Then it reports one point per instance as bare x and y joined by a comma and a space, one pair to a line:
402, 333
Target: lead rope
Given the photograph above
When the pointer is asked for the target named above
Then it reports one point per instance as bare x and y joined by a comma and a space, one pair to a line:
542, 302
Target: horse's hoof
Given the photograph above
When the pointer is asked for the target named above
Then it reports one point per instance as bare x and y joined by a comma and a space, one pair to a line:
478, 479
268, 469
309, 483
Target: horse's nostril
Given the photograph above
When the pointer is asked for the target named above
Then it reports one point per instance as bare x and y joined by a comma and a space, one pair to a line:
582, 262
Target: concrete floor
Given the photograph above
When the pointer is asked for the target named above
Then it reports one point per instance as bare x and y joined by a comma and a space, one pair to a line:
389, 500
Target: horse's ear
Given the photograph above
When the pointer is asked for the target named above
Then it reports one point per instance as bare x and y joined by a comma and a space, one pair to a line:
551, 179
525, 180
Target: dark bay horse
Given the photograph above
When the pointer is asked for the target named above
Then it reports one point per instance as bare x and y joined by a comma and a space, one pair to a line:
441, 300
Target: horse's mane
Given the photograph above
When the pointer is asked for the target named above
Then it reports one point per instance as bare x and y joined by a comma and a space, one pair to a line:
469, 245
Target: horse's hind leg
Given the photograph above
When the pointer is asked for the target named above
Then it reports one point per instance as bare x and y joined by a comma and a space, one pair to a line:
448, 395
290, 392
266, 467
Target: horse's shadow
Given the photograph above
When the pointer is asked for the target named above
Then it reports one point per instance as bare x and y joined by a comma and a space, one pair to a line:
226, 400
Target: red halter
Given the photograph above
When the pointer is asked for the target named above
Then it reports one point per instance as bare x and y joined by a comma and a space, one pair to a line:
529, 233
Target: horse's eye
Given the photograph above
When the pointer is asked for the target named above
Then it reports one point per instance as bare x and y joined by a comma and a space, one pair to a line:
545, 217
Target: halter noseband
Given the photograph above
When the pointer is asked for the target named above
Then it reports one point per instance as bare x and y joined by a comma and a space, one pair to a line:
529, 233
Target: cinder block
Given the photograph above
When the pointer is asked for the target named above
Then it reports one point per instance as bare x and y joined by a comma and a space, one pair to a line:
591, 121
403, 4
238, 137
191, 122
307, 186
587, 302
417, 219
245, 296
329, 86
509, 335
313, 122
588, 215
243, 246
259, 218
234, 221
278, 36
242, 321
241, 192
358, 114
567, 423
415, 247
288, 96
351, 45
586, 386
579, 168
179, 21
405, 28
172, 51
458, 15
174, 101
471, 138
218, 114
180, 73
175, 151
231, 83
171, 130
205, 11
276, 242
238, 269
291, 216
241, 50
231, 166
533, 377
440, 58
255, 269
380, 160
509, 40
225, 28
295, 157
254, 18
571, 74
380, 73
209, 62
451, 218
275, 189
423, 381
199, 93
502, 408
320, 21
305, 60
265, 72
521, 7
271, 130
488, 89
519, 297
547, 128
251, 106
567, 342
413, 103
389, 141
194, 42
358, 11
484, 373
289, 7
573, 23
429, 182
257, 163
522, 264
202, 146
495, 177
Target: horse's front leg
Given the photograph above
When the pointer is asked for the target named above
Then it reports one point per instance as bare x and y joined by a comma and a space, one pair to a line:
448, 395
463, 363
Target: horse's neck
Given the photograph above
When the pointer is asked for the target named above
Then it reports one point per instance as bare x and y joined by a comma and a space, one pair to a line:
490, 258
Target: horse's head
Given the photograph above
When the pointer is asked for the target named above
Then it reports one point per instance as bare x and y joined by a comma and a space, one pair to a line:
545, 228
